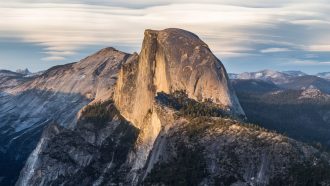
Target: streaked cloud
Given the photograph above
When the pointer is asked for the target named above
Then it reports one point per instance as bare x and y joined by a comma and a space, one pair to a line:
311, 62
53, 58
273, 50
252, 30
319, 48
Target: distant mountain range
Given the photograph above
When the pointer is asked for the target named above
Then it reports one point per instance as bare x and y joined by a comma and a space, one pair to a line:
290, 102
295, 80
272, 74
294, 73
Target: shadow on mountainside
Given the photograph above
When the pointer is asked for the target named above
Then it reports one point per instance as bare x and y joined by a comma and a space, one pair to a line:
22, 120
96, 149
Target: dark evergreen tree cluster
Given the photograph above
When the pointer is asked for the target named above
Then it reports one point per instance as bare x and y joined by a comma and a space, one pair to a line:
99, 113
302, 119
179, 100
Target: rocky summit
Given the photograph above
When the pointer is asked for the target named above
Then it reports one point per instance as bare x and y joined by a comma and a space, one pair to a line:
166, 116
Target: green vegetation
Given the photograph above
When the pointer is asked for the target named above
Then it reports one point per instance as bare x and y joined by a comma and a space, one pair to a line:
310, 173
198, 126
99, 113
187, 168
179, 100
303, 120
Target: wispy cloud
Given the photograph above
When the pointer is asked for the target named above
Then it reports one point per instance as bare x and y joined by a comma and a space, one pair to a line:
310, 62
53, 58
274, 50
231, 28
319, 48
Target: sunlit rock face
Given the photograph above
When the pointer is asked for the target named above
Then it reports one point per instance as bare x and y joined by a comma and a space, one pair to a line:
172, 118
170, 60
61, 86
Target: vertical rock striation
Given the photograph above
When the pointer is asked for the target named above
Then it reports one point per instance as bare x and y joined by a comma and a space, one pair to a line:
173, 60
170, 60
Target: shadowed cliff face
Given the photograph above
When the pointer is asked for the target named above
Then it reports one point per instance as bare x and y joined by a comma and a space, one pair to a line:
27, 104
25, 116
95, 151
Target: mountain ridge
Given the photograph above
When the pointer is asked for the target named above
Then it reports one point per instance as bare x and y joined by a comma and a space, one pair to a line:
295, 80
292, 73
55, 95
173, 102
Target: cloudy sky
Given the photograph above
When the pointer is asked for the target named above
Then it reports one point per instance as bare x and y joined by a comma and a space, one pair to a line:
248, 36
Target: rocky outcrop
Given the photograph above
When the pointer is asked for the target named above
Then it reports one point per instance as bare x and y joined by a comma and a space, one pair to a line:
27, 104
93, 153
192, 148
173, 60
170, 60
214, 151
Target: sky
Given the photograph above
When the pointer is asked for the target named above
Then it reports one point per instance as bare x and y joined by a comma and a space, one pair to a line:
248, 35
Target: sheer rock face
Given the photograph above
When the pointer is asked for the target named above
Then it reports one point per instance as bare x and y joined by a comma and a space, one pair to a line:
184, 62
170, 60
